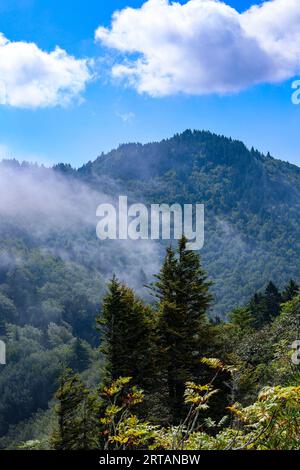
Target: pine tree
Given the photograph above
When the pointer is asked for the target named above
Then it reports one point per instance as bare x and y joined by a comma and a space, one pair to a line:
290, 291
76, 411
183, 298
273, 300
265, 307
242, 318
125, 325
257, 307
81, 357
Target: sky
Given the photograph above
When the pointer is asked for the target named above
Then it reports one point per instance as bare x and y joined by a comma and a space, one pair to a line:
76, 81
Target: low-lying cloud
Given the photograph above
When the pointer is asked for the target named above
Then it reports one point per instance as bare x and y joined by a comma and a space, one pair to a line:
57, 213
33, 78
204, 46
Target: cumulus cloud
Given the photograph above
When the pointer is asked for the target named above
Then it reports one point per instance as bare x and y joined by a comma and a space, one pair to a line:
32, 78
204, 46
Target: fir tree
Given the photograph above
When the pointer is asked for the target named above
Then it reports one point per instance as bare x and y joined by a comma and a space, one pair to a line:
290, 291
125, 325
242, 318
81, 356
183, 298
265, 307
273, 301
76, 411
257, 307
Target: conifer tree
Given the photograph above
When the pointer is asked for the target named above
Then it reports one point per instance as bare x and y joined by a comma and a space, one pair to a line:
125, 325
81, 357
257, 307
265, 307
182, 291
242, 318
76, 411
291, 290
273, 300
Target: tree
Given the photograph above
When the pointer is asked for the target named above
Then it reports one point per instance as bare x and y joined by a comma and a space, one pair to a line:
258, 310
273, 300
290, 291
265, 307
242, 318
8, 312
182, 291
81, 355
125, 325
76, 411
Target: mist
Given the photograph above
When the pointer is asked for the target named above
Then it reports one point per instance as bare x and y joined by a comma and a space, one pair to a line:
57, 213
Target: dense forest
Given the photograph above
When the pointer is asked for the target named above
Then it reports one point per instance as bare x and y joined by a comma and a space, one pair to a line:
178, 337
164, 376
252, 204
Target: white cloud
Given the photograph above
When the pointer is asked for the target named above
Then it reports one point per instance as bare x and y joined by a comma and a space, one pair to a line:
204, 46
32, 78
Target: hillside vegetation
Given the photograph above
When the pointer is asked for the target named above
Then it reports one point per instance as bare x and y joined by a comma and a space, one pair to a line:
54, 274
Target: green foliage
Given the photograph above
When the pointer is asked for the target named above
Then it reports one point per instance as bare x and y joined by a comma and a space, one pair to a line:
272, 422
8, 312
290, 291
126, 326
47, 317
182, 291
120, 428
32, 433
29, 380
76, 411
48, 306
81, 355
251, 204
265, 307
242, 318
263, 356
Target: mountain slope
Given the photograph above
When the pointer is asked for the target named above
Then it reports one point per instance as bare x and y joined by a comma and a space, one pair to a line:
252, 208
53, 269
252, 204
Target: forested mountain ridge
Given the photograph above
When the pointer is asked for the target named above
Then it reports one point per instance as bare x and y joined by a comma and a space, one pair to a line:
135, 160
252, 209
252, 203
143, 345
194, 153
53, 269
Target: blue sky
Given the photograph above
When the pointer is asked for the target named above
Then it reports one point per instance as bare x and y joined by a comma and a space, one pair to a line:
112, 112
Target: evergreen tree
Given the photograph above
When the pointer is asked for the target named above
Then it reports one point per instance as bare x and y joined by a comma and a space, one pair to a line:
125, 325
257, 307
81, 356
273, 301
290, 291
265, 307
76, 411
242, 318
183, 298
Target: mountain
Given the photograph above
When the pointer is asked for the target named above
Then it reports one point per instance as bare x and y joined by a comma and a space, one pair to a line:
53, 269
252, 204
252, 208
